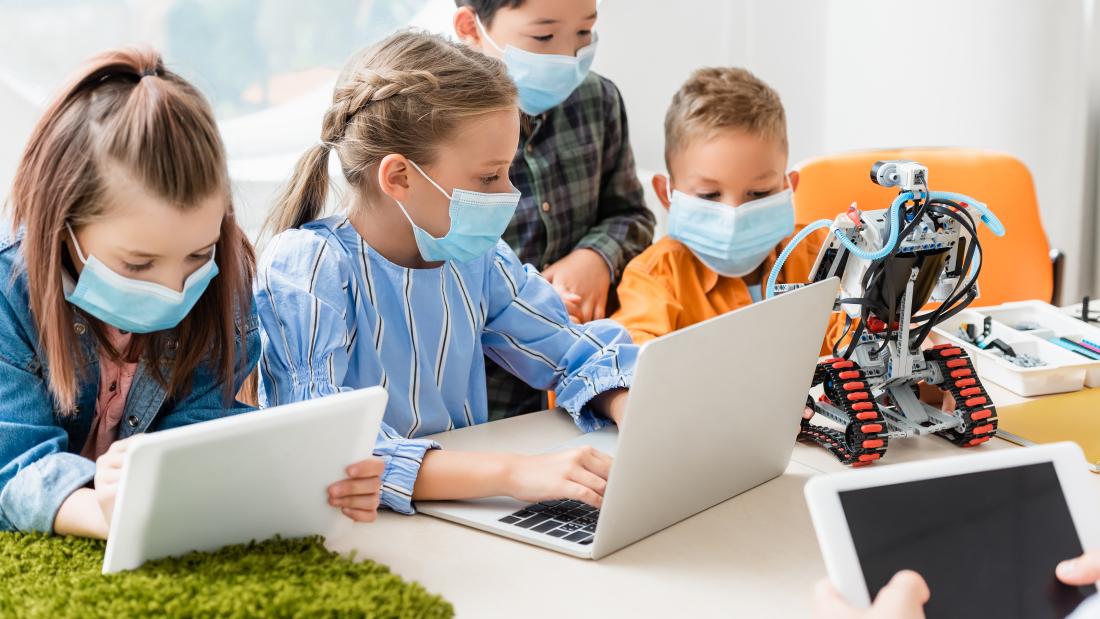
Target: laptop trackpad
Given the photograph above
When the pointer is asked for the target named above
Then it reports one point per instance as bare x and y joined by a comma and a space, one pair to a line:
605, 439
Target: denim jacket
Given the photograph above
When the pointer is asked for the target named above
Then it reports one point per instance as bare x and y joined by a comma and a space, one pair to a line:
40, 465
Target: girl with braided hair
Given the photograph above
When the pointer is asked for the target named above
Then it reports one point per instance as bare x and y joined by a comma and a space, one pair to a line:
409, 285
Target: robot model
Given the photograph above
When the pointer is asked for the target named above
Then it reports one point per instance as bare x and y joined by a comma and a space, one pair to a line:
922, 250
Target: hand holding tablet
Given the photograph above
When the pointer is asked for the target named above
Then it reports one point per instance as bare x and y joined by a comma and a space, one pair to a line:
985, 532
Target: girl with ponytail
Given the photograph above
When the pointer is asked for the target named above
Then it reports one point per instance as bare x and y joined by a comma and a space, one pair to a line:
125, 289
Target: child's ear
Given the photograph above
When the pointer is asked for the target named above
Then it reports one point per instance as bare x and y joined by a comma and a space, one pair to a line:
465, 25
794, 180
393, 177
660, 185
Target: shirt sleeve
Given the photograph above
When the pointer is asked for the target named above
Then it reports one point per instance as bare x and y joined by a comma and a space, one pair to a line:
625, 224
303, 300
528, 332
37, 474
647, 307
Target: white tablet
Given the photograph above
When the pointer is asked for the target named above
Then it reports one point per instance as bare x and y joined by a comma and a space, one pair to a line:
241, 478
985, 531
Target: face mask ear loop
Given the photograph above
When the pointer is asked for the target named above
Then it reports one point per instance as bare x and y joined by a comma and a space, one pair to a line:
76, 244
434, 184
405, 211
668, 189
485, 33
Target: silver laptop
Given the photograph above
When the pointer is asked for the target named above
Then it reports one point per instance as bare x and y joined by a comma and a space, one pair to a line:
724, 396
241, 478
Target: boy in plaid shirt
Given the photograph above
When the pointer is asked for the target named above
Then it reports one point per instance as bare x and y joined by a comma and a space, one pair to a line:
582, 216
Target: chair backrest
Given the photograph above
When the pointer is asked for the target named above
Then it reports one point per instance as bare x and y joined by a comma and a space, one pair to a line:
1015, 267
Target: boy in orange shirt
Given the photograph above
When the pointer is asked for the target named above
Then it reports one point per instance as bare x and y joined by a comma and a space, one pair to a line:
730, 205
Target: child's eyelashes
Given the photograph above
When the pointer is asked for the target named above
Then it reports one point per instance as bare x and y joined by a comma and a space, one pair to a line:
489, 180
546, 38
145, 266
711, 195
137, 268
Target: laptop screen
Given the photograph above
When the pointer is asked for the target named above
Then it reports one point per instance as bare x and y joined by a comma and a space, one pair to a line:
987, 543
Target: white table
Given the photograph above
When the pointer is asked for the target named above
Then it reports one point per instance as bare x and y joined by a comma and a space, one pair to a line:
755, 555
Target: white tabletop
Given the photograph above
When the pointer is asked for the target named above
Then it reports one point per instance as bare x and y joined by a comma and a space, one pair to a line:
755, 555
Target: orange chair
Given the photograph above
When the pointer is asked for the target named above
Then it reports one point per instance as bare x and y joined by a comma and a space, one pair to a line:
1016, 267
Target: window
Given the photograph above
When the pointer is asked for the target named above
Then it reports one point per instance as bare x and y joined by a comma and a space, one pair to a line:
267, 66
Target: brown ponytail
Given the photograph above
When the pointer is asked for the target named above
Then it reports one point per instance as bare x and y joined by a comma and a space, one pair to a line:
126, 109
406, 95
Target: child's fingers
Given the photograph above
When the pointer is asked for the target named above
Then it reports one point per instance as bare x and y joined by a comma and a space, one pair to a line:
361, 502
107, 477
111, 460
904, 596
587, 307
360, 515
589, 480
371, 467
119, 447
1084, 570
597, 462
580, 492
572, 300
349, 487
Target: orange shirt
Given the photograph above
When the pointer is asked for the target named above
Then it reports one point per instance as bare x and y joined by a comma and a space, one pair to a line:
667, 288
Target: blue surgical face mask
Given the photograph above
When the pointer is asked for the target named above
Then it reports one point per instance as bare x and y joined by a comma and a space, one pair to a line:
544, 80
477, 221
131, 304
731, 240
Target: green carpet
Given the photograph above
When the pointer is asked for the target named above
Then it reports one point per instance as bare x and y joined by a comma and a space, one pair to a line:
58, 577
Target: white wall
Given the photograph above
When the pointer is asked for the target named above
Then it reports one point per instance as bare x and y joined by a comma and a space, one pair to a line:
1008, 75
20, 109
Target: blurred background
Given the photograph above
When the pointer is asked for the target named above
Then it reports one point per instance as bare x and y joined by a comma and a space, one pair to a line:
1019, 76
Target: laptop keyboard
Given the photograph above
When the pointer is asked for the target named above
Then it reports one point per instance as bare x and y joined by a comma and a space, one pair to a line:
570, 520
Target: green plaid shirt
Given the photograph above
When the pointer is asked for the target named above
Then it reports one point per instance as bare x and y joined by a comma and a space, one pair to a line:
575, 171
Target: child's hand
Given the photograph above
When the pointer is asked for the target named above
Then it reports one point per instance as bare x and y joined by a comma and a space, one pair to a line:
931, 394
572, 304
579, 474
358, 495
108, 472
1084, 570
585, 274
902, 598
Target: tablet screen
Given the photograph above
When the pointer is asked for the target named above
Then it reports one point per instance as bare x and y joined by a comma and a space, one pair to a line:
986, 543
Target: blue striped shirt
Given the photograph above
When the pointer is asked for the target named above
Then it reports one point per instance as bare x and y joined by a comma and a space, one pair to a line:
336, 315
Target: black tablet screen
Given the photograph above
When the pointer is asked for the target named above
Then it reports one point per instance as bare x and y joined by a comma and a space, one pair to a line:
986, 543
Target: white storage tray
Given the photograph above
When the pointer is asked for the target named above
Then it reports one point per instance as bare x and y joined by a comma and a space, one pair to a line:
1065, 370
